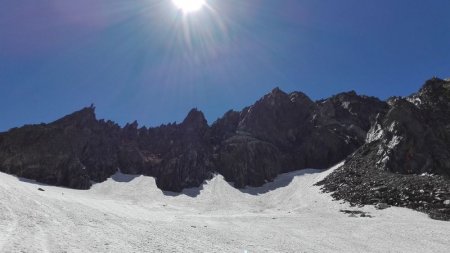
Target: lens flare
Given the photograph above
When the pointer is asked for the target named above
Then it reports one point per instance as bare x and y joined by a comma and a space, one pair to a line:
189, 5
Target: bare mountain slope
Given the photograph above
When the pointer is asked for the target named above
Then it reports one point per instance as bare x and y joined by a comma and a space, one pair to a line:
406, 159
279, 133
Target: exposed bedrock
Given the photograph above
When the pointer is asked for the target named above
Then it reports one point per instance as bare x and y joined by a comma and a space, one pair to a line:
279, 133
407, 154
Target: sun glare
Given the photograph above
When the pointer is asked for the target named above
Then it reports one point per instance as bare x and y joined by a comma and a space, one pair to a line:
189, 5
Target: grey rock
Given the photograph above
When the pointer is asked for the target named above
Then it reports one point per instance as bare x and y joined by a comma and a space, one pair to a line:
69, 152
407, 150
283, 132
381, 206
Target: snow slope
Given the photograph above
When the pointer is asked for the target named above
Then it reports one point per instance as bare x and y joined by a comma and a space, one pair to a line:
130, 214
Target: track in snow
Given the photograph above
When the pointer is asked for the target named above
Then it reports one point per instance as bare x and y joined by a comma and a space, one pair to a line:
130, 214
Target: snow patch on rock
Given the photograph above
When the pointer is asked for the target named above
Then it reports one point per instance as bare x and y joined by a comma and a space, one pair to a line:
375, 133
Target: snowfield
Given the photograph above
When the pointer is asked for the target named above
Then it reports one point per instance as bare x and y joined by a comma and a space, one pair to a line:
130, 214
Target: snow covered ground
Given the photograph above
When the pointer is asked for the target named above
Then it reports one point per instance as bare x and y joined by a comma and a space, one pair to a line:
129, 214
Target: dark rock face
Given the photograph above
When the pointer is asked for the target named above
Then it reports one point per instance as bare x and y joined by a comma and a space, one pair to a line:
279, 133
68, 152
187, 157
414, 136
283, 132
397, 152
407, 152
178, 156
245, 160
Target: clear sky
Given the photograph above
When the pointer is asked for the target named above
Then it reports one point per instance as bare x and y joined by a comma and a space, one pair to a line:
146, 60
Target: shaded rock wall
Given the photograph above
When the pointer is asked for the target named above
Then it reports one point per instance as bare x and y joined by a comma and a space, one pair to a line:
407, 153
283, 132
69, 152
279, 133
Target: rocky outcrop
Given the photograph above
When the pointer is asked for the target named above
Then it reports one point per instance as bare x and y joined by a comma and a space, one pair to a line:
283, 132
185, 151
177, 155
413, 137
397, 152
407, 153
279, 133
69, 152
245, 160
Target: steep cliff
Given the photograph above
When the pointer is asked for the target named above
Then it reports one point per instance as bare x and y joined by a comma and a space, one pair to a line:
406, 158
279, 133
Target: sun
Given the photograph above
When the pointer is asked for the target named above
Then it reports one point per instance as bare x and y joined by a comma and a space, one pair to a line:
189, 5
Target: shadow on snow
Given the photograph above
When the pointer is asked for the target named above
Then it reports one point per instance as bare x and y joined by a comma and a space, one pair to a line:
280, 181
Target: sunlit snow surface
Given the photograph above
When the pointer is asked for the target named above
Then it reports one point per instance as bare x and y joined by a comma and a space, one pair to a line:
130, 214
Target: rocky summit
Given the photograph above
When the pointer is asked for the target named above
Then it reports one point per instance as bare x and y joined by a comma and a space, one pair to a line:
397, 152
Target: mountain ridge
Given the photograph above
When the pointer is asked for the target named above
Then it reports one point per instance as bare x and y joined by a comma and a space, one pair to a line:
263, 139
279, 133
405, 160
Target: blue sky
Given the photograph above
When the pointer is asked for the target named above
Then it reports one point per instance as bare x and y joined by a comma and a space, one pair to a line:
145, 60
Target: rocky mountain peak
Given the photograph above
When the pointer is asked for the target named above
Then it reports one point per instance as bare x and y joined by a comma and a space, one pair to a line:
434, 87
433, 83
406, 143
346, 95
274, 96
434, 95
132, 125
130, 131
83, 117
280, 100
195, 120
299, 97
277, 91
351, 96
